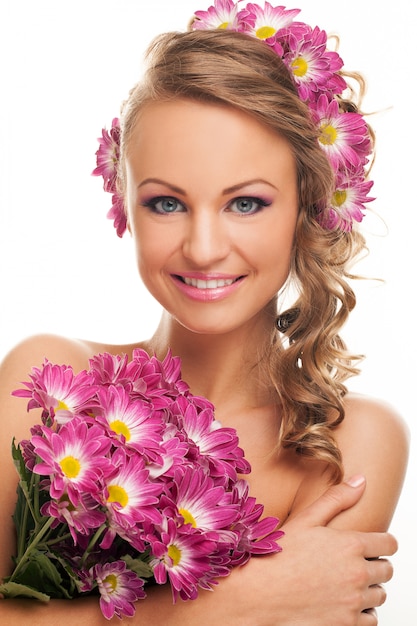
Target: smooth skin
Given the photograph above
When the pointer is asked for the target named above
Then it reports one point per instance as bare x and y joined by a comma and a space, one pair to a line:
212, 197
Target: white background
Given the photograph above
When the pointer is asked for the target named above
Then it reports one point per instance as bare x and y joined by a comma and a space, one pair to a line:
65, 67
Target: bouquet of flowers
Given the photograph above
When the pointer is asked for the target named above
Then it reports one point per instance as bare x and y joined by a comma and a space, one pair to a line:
128, 480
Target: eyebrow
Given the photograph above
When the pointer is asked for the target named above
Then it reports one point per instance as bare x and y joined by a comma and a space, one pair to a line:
225, 192
159, 181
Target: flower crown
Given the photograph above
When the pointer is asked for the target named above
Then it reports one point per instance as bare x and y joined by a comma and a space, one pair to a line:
343, 135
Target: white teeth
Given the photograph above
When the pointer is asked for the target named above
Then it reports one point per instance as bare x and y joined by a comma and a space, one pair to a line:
208, 284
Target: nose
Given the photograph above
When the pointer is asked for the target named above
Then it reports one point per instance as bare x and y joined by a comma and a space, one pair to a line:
206, 240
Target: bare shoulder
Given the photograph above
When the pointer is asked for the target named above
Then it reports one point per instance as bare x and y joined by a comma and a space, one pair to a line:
374, 441
17, 365
373, 422
33, 351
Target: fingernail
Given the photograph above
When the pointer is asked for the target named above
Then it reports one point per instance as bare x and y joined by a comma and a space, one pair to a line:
356, 481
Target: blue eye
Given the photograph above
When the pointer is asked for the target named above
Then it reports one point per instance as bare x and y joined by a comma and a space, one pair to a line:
247, 205
164, 205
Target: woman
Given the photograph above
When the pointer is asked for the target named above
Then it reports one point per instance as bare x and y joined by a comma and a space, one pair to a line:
226, 191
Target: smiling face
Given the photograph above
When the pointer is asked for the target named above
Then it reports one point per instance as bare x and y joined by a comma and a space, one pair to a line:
212, 207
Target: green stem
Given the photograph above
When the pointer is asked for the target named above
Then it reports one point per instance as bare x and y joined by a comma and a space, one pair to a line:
58, 539
91, 543
36, 540
37, 513
28, 507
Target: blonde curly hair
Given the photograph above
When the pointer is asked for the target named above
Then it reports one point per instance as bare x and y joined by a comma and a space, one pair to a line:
307, 362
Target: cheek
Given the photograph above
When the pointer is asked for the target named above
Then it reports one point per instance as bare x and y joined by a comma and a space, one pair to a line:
275, 261
271, 247
152, 249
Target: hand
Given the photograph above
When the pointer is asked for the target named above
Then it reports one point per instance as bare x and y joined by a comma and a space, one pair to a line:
347, 582
323, 576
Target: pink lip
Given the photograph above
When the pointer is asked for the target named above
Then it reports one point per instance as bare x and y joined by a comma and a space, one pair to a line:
210, 294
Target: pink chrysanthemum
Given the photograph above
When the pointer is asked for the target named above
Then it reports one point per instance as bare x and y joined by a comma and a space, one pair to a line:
109, 369
256, 535
28, 450
130, 495
80, 519
347, 203
199, 502
314, 68
57, 390
343, 136
107, 159
217, 447
265, 23
131, 421
159, 380
119, 589
117, 213
173, 451
222, 15
74, 458
184, 559
108, 155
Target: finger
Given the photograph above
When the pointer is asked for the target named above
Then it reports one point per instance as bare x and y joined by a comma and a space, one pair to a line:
336, 499
378, 544
374, 597
380, 571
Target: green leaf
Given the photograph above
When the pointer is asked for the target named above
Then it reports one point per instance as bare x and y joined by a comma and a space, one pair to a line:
41, 573
22, 516
72, 581
19, 461
16, 590
142, 569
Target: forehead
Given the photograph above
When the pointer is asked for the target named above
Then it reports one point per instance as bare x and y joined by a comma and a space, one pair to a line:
204, 137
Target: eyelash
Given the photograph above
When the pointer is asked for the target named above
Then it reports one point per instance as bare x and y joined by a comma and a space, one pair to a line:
153, 202
255, 200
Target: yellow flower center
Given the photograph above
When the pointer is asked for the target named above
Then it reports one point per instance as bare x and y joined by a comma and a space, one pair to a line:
120, 428
118, 494
299, 67
223, 26
339, 197
61, 406
328, 134
188, 518
111, 580
264, 32
175, 554
70, 466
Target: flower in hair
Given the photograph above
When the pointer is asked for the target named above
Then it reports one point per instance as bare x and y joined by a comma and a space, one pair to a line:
348, 201
313, 67
316, 72
343, 136
117, 213
267, 22
222, 15
108, 156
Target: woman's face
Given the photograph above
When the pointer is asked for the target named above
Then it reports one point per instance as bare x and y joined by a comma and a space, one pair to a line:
212, 207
